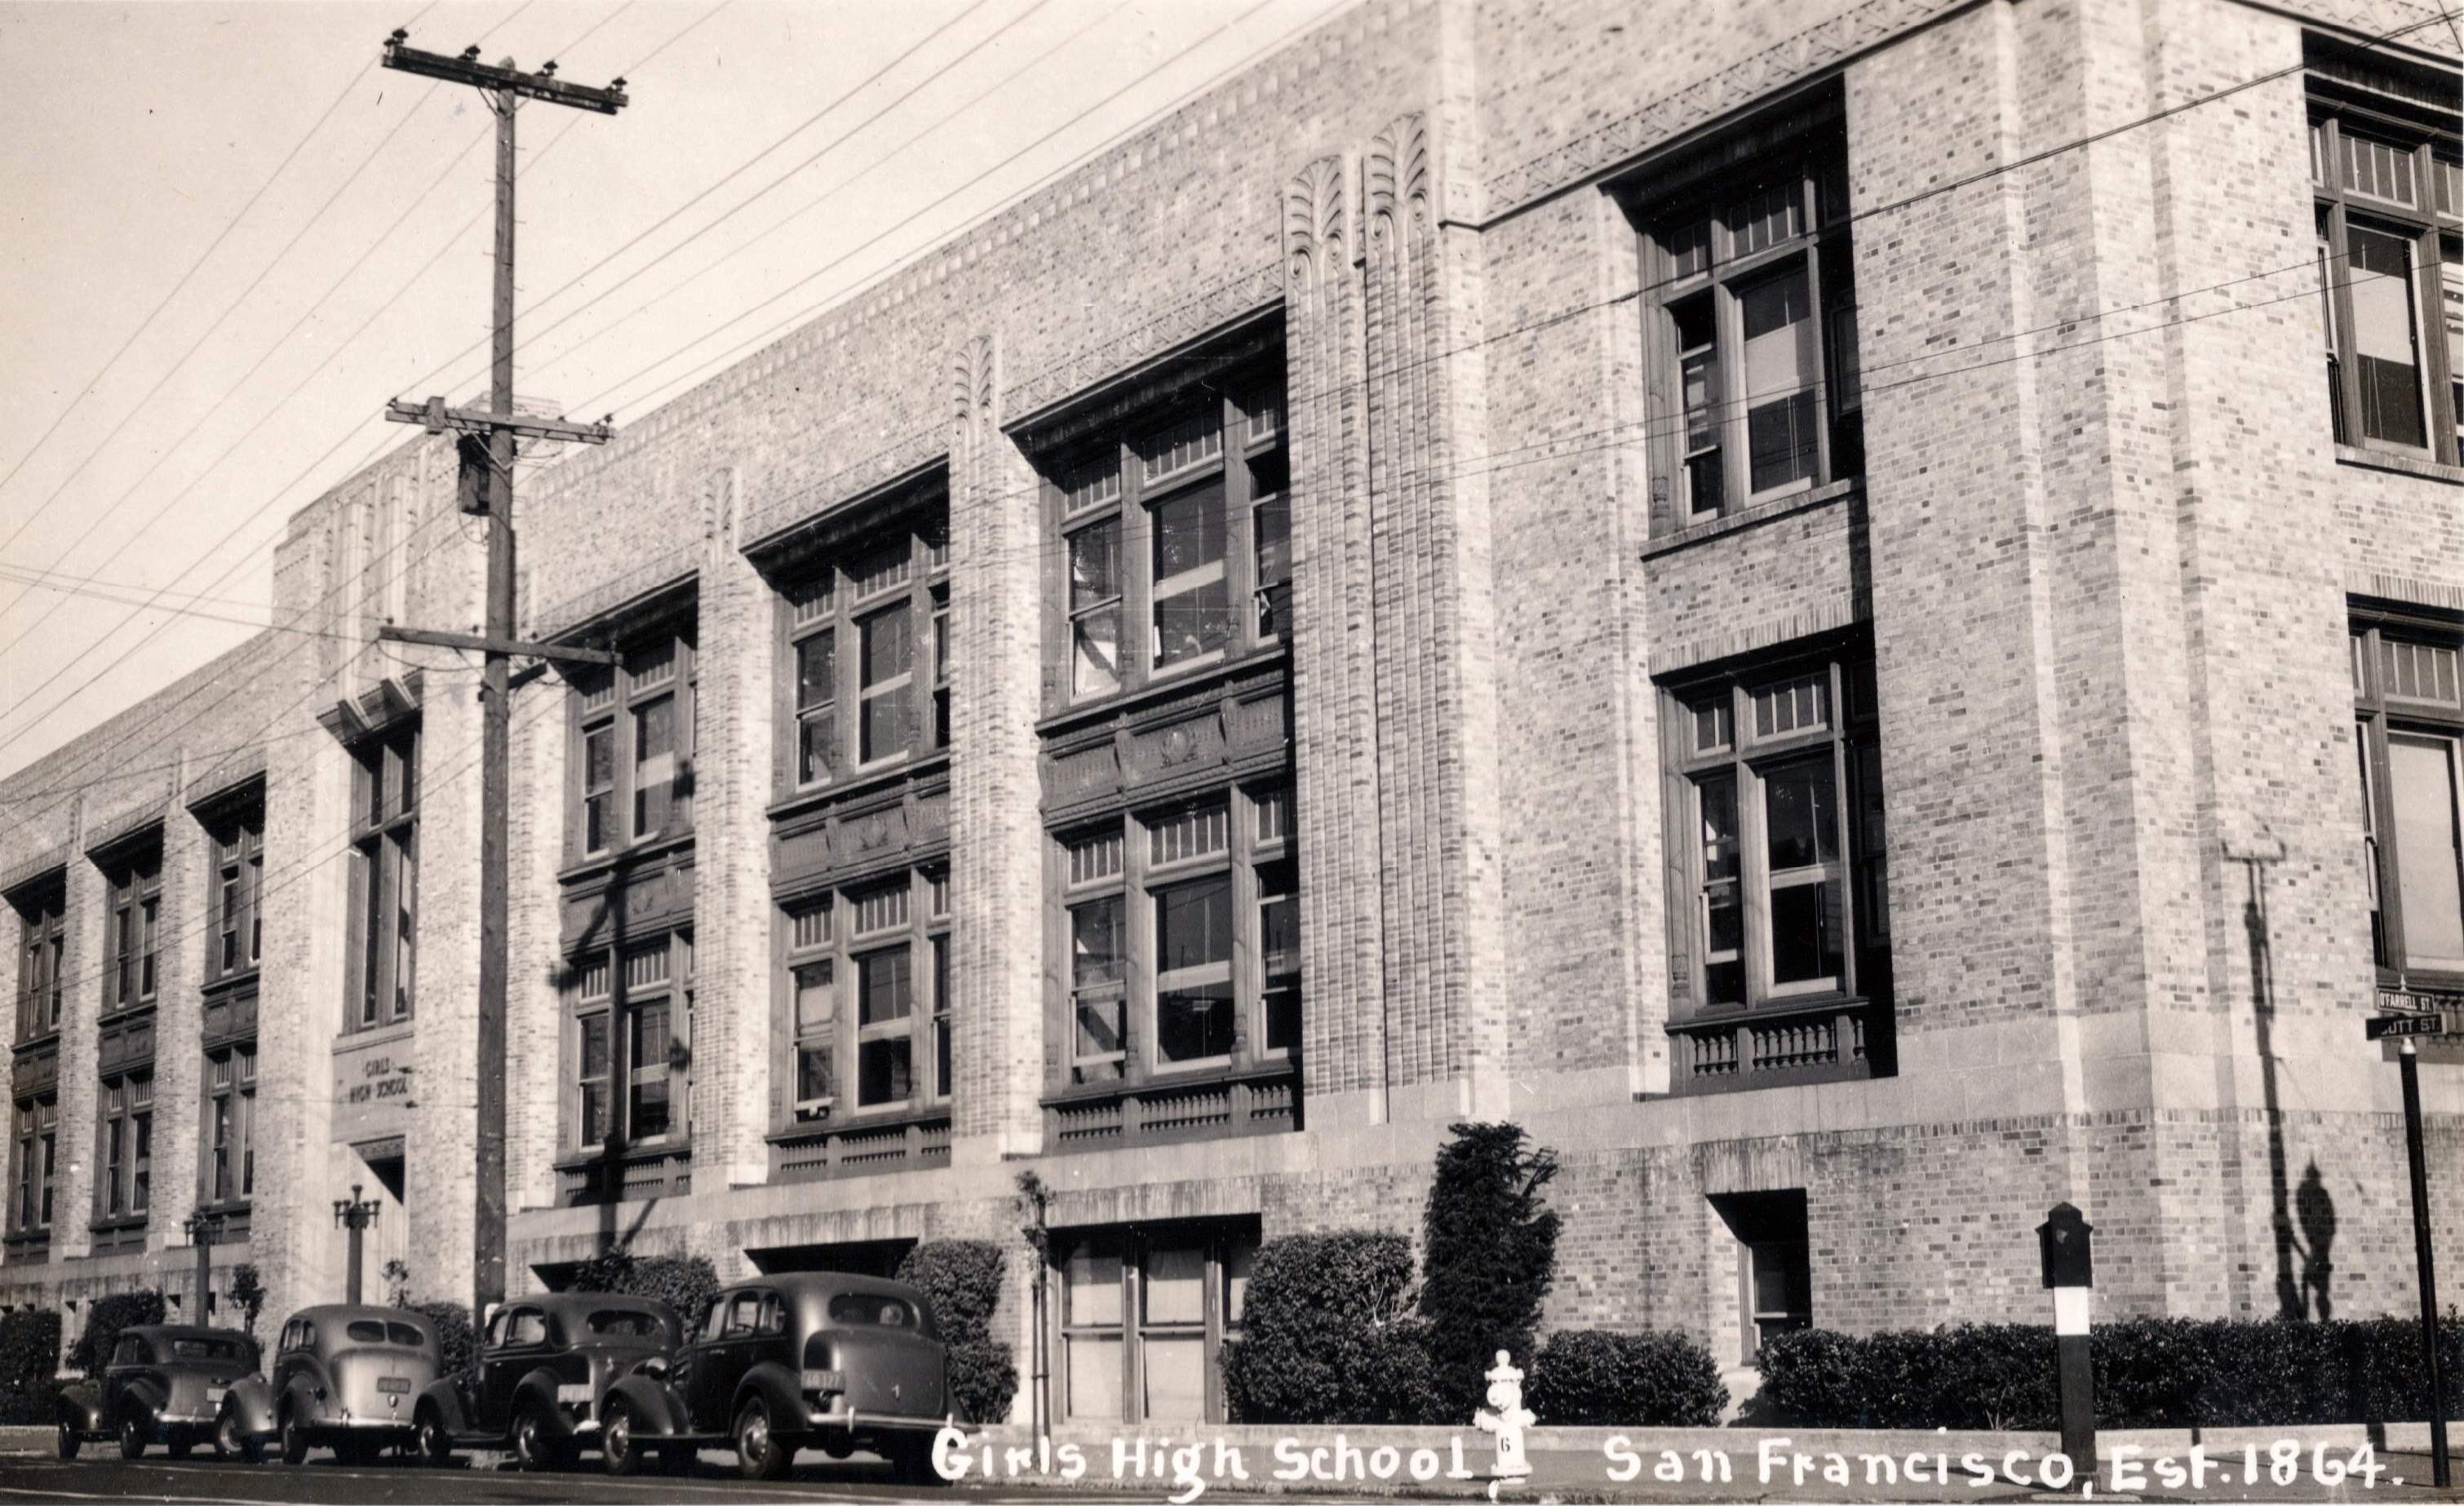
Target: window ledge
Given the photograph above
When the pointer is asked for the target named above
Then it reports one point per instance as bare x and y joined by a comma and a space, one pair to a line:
49, 1037
803, 1131
119, 1223
679, 1150
639, 855
373, 1036
1748, 518
917, 767
1771, 1010
1089, 713
1170, 1081
2401, 465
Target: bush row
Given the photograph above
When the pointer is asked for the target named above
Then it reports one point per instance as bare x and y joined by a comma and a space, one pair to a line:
2151, 1372
30, 1360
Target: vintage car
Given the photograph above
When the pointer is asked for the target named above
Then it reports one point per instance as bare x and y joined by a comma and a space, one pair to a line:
161, 1384
782, 1362
346, 1377
544, 1362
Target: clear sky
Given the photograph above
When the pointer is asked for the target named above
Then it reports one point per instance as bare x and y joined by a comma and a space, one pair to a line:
341, 214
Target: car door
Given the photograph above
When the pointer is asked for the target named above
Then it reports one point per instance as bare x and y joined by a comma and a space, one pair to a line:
723, 1361
298, 1358
126, 1363
515, 1347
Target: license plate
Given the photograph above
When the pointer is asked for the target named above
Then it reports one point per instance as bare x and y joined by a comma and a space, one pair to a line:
213, 1395
398, 1385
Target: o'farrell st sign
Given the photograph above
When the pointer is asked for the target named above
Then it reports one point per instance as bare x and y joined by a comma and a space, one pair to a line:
2434, 1022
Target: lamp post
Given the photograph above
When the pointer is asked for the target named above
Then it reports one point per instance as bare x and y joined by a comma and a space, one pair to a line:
354, 1215
205, 1229
2070, 1272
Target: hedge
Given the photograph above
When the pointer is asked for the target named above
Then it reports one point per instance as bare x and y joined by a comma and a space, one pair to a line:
687, 1284
962, 1280
30, 1361
1489, 1243
111, 1314
1328, 1335
1583, 1378
2151, 1372
457, 1347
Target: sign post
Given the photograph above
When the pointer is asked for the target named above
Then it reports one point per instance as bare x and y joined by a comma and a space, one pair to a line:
2062, 1243
2404, 1029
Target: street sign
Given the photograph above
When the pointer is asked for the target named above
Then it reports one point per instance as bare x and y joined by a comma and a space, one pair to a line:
2381, 1027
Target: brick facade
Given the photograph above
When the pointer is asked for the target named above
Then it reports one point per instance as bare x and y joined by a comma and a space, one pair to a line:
2103, 546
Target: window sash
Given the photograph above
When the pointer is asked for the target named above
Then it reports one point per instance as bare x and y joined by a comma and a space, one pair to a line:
866, 1014
2382, 251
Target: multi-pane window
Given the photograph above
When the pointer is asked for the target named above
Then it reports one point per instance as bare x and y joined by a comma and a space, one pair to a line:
2387, 185
231, 1116
1182, 933
126, 1149
868, 653
129, 967
632, 749
866, 974
1775, 1264
42, 952
237, 922
1751, 313
384, 876
631, 1043
37, 1148
1143, 1316
2408, 705
1176, 539
1786, 870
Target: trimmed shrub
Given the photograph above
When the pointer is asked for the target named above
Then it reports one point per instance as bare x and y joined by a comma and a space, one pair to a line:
1490, 1253
457, 1345
111, 1314
1328, 1335
248, 1293
1584, 1378
29, 1360
687, 1284
961, 1278
2151, 1372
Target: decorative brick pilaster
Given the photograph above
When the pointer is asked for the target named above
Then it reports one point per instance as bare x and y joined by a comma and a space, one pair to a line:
996, 835
87, 920
179, 1017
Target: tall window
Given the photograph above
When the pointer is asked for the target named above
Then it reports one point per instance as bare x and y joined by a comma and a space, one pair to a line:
42, 950
38, 1161
1182, 933
1775, 1264
868, 652
1751, 313
1143, 1316
1786, 899
1176, 539
867, 985
384, 876
231, 1119
632, 1041
633, 743
237, 922
2410, 711
126, 1151
2389, 196
129, 971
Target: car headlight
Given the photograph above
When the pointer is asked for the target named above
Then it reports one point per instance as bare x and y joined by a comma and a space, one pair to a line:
821, 1381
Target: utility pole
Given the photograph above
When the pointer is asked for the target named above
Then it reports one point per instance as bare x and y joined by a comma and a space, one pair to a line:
490, 492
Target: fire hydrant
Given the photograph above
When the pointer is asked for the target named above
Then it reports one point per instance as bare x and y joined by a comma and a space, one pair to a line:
1506, 1417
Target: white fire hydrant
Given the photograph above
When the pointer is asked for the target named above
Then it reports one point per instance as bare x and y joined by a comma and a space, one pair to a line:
1506, 1417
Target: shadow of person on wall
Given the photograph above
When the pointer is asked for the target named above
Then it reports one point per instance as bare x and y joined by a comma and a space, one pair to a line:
2314, 1208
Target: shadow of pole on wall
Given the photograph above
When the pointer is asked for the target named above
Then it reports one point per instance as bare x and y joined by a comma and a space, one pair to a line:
2295, 1293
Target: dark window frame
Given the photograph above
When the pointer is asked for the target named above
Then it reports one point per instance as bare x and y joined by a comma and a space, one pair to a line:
385, 786
124, 1145
823, 1054
2384, 713
36, 1126
630, 993
2425, 216
132, 973
235, 901
630, 809
1104, 500
825, 726
1226, 1251
1702, 254
42, 941
227, 1166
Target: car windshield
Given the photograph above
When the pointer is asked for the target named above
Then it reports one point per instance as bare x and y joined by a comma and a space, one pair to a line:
868, 1310
366, 1330
625, 1324
206, 1349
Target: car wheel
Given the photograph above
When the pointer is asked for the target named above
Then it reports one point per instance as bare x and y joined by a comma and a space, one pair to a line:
233, 1444
136, 1430
72, 1437
761, 1455
618, 1447
294, 1437
535, 1443
430, 1440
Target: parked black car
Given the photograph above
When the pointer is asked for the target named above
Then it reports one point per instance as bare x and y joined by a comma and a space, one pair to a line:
809, 1360
161, 1384
343, 1377
545, 1364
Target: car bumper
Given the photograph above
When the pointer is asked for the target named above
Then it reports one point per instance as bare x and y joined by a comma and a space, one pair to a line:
853, 1420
